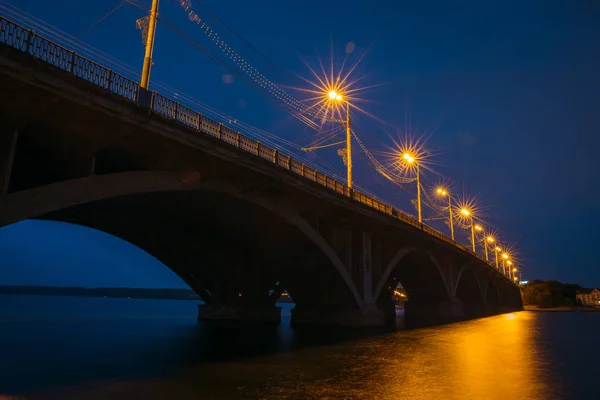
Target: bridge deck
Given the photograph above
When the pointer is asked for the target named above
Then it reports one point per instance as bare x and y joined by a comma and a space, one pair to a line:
26, 41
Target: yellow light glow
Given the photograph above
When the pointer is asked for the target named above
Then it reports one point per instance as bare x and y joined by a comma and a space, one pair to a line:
478, 228
490, 239
441, 192
509, 262
514, 270
498, 248
338, 97
465, 212
409, 159
505, 256
333, 94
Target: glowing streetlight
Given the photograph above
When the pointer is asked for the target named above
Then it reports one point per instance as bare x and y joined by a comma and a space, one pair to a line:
335, 96
467, 214
504, 259
410, 159
149, 45
496, 251
490, 240
443, 192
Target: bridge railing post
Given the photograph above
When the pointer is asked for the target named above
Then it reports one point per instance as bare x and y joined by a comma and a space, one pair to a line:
72, 62
109, 75
220, 131
31, 41
237, 139
275, 156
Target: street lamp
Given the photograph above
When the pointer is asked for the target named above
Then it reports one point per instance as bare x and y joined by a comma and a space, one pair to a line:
496, 251
509, 269
467, 214
478, 228
149, 45
335, 96
504, 259
490, 240
410, 159
443, 192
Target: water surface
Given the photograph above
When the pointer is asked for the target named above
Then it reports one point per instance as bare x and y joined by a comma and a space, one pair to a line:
101, 348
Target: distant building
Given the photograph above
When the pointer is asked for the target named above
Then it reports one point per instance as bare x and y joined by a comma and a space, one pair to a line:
589, 297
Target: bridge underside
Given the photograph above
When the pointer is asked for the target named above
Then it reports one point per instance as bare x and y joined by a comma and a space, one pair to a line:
238, 229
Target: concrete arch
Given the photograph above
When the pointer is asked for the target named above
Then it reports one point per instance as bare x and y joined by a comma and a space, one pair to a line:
44, 199
398, 257
492, 296
468, 291
49, 198
309, 231
459, 276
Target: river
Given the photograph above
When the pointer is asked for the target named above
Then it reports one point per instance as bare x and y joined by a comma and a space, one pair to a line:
102, 348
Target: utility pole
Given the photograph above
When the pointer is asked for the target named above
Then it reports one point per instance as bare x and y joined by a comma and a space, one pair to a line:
451, 217
149, 45
348, 145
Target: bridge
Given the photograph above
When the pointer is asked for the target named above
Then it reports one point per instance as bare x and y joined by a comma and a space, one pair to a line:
239, 221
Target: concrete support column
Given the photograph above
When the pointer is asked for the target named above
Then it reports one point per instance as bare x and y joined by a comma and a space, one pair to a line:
367, 264
8, 145
343, 246
428, 313
239, 313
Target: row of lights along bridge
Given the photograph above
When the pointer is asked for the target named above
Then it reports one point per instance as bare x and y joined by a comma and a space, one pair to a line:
336, 95
502, 259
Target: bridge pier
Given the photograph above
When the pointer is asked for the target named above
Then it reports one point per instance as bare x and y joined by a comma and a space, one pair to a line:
239, 313
8, 145
419, 314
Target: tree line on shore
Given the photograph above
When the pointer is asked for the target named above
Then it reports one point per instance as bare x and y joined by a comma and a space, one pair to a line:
548, 294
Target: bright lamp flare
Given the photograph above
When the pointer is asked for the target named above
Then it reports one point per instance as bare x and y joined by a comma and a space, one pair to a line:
409, 159
332, 94
490, 239
505, 256
478, 228
465, 212
498, 248
442, 192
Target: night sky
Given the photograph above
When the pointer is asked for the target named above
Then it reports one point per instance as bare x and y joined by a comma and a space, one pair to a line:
507, 92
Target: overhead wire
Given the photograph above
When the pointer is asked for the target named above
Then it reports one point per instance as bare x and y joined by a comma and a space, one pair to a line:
119, 4
88, 51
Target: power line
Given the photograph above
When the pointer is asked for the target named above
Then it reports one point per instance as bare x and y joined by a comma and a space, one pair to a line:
102, 18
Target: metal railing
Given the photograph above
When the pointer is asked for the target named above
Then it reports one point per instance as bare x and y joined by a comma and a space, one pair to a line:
25, 40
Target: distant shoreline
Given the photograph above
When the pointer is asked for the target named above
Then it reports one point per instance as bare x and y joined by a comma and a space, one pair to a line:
122, 293
562, 309
115, 293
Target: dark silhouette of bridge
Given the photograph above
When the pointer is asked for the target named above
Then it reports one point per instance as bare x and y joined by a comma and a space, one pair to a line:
237, 220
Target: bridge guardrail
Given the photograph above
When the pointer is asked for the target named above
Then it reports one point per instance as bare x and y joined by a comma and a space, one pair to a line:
25, 40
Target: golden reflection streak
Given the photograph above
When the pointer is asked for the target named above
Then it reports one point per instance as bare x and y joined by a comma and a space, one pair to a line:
488, 358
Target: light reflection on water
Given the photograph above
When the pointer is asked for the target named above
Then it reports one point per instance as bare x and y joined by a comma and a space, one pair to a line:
515, 356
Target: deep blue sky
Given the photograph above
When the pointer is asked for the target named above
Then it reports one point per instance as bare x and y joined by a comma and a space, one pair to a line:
512, 89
